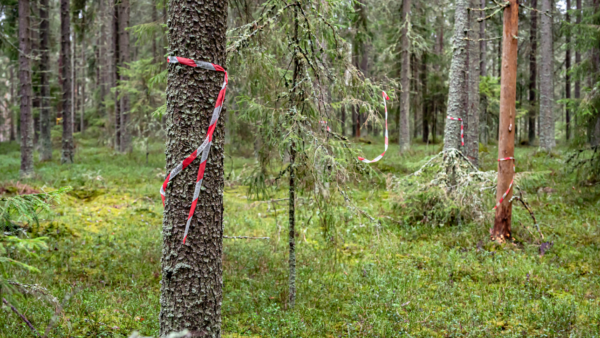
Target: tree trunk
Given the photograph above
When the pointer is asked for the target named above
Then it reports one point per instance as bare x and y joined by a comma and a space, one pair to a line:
472, 137
343, 121
577, 93
65, 51
191, 289
547, 140
506, 137
115, 72
457, 93
424, 99
83, 74
104, 60
567, 70
125, 144
483, 72
45, 116
11, 103
532, 72
404, 137
74, 87
154, 21
25, 91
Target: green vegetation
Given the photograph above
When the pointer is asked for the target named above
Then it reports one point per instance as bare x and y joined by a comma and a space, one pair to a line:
399, 276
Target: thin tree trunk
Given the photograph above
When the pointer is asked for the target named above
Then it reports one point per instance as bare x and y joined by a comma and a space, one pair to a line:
577, 93
65, 50
506, 137
115, 73
125, 144
457, 93
103, 51
13, 122
74, 87
532, 71
483, 72
83, 75
404, 137
567, 72
424, 99
191, 288
343, 127
154, 21
25, 91
547, 140
472, 137
45, 117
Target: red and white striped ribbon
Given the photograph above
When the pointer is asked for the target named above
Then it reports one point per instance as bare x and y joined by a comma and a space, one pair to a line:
204, 148
511, 182
462, 129
362, 159
324, 123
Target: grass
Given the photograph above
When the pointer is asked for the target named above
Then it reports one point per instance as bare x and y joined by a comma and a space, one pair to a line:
354, 279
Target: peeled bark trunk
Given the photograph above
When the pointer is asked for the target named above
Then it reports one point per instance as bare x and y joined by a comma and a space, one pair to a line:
404, 137
191, 288
506, 137
25, 91
472, 125
45, 116
547, 140
567, 70
532, 72
125, 143
457, 87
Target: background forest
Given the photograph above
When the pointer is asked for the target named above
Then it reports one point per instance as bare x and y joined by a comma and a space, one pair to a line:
314, 240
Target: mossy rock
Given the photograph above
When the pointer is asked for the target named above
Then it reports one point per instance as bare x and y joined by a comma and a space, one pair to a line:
86, 194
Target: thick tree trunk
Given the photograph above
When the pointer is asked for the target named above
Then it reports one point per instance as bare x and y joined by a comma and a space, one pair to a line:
125, 144
506, 137
191, 289
547, 140
67, 153
457, 87
567, 70
45, 116
532, 72
404, 137
472, 130
25, 91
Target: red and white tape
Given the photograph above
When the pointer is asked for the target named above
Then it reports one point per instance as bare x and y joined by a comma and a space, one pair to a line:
324, 123
362, 159
462, 129
511, 182
204, 148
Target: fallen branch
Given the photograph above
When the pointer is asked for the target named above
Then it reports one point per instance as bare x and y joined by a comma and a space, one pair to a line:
528, 208
22, 316
244, 237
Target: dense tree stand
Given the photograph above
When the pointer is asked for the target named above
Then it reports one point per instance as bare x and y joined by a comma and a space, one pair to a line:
191, 291
506, 137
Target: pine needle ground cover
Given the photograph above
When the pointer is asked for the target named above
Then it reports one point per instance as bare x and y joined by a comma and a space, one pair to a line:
396, 275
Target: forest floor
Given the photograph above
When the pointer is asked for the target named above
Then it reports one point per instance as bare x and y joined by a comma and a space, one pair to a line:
355, 277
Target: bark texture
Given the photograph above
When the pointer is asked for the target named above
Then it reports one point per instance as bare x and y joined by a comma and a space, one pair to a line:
125, 142
83, 74
567, 70
114, 72
506, 133
457, 88
25, 91
45, 117
191, 291
547, 140
532, 72
577, 89
472, 125
404, 137
67, 153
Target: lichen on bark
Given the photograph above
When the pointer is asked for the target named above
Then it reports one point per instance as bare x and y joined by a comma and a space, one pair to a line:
191, 291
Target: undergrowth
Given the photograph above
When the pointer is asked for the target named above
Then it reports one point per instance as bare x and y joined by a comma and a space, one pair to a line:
367, 266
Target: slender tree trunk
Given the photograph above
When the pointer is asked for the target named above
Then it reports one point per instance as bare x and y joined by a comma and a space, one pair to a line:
483, 72
547, 140
343, 127
74, 82
25, 91
83, 75
125, 144
115, 72
65, 50
457, 87
424, 98
532, 72
567, 72
577, 93
103, 51
34, 38
45, 116
472, 137
191, 288
11, 103
506, 137
155, 21
404, 137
